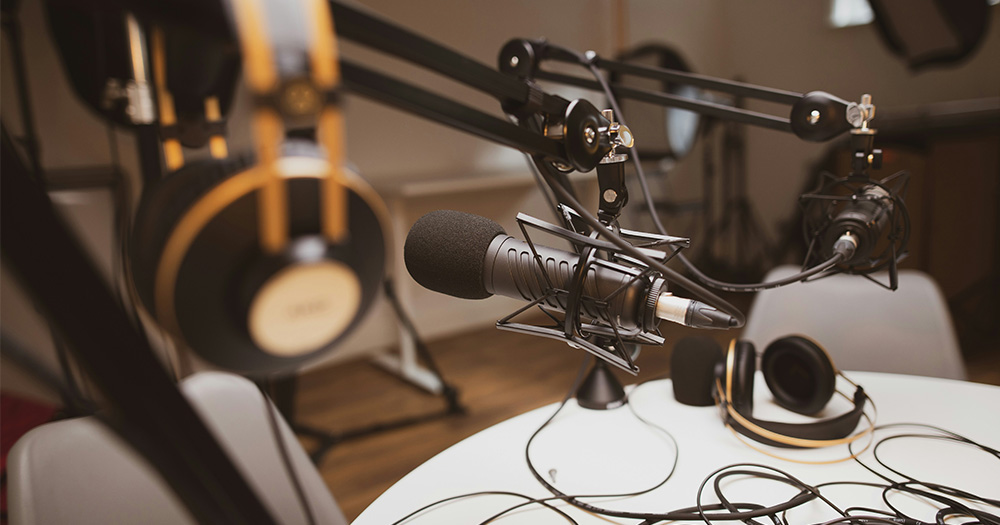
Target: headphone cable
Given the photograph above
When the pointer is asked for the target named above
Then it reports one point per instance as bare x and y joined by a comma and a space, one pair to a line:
279, 441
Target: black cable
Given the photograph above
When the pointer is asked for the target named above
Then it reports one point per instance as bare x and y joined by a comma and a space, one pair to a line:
836, 259
949, 435
550, 200
695, 513
984, 517
747, 511
626, 247
908, 485
700, 512
11, 21
279, 442
648, 199
121, 270
117, 213
77, 403
543, 502
717, 485
122, 193
895, 515
786, 478
681, 514
715, 506
859, 520
926, 436
68, 389
574, 499
864, 509
24, 358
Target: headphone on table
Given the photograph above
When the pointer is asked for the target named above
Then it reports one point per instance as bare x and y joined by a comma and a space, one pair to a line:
261, 262
799, 373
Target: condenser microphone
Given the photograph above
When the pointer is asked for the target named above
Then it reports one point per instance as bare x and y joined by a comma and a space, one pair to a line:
858, 227
472, 257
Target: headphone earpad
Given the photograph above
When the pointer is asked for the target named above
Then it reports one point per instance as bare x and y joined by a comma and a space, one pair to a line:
745, 365
692, 370
233, 304
162, 205
799, 374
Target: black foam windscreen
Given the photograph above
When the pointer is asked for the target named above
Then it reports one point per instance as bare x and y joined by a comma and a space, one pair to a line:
445, 251
692, 369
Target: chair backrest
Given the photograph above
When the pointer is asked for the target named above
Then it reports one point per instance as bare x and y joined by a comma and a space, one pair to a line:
78, 471
863, 326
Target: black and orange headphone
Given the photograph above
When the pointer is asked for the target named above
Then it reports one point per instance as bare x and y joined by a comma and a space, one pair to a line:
799, 373
261, 262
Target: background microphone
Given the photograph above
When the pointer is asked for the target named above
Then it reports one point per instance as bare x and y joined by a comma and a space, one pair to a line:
860, 222
863, 221
472, 257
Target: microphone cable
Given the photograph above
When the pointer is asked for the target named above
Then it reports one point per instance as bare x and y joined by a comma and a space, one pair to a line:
286, 460
651, 207
735, 511
530, 501
575, 499
944, 493
563, 195
602, 230
726, 510
543, 501
698, 512
550, 200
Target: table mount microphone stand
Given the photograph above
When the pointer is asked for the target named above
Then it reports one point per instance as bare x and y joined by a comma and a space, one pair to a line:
600, 389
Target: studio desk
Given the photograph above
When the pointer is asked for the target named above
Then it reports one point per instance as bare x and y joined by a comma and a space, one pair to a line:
613, 451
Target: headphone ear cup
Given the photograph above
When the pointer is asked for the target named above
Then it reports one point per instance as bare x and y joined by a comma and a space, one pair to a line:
692, 370
236, 306
162, 206
744, 368
799, 374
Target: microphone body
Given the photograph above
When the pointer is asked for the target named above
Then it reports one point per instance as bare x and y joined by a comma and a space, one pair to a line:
512, 271
863, 219
472, 257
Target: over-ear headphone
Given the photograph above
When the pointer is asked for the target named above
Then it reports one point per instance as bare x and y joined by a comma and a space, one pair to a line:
260, 262
799, 373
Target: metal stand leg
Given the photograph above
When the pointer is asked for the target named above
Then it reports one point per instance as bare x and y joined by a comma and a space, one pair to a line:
406, 366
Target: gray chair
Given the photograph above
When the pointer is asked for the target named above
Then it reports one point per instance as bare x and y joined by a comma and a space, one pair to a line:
862, 325
78, 471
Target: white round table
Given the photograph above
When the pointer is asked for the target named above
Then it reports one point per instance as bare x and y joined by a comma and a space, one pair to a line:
603, 452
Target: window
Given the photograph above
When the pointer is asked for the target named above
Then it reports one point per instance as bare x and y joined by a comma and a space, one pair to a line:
845, 13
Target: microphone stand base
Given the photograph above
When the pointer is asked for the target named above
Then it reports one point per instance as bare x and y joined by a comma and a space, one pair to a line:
600, 390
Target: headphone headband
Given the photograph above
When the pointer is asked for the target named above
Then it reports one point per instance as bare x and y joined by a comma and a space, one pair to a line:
827, 432
293, 61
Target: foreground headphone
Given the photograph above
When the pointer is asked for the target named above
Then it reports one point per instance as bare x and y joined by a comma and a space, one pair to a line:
799, 373
262, 261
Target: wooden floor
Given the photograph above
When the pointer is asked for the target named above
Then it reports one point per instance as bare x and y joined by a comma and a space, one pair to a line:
500, 375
